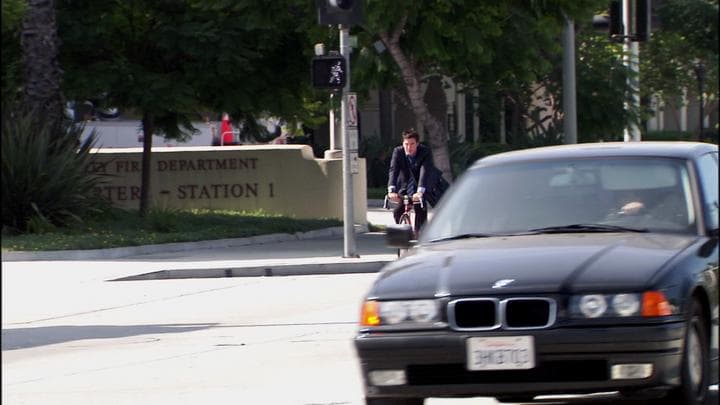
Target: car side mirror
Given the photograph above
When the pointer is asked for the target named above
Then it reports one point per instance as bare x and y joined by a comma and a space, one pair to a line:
398, 236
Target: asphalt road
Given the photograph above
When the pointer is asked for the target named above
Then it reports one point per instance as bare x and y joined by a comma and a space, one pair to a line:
281, 340
278, 340
262, 340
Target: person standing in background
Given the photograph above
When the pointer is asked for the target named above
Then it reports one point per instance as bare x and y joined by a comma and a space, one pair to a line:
226, 132
213, 131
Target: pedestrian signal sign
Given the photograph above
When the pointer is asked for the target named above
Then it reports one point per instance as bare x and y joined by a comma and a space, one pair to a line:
329, 72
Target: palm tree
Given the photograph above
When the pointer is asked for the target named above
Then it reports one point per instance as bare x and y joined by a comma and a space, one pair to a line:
40, 45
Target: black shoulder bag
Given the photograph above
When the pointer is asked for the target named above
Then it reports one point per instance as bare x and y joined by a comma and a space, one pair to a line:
436, 189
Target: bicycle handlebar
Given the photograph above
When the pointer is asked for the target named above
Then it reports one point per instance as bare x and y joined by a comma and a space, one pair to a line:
406, 200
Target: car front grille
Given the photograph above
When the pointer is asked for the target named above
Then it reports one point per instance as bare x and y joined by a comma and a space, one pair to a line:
510, 314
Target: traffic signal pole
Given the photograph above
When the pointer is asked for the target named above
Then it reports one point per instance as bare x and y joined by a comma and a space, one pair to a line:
629, 22
344, 13
631, 59
568, 74
349, 247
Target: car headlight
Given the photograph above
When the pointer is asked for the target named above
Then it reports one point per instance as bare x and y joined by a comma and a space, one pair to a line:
647, 304
382, 313
626, 304
605, 305
593, 306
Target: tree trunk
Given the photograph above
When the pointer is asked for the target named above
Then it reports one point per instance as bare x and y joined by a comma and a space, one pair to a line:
515, 120
40, 43
436, 132
148, 123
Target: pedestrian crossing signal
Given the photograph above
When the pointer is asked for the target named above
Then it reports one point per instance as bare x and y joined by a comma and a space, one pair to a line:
329, 72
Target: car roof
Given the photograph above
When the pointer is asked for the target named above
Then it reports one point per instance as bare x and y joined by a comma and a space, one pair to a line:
682, 150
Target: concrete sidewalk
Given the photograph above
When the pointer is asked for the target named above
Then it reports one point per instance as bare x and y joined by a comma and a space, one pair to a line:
315, 252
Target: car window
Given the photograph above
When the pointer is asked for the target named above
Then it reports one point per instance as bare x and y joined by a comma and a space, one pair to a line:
708, 175
518, 197
644, 176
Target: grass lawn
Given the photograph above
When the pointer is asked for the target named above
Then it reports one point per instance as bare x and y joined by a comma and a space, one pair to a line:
126, 228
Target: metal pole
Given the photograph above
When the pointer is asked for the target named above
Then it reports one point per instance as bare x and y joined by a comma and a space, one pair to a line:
349, 249
335, 151
569, 102
632, 61
700, 70
333, 144
635, 87
503, 136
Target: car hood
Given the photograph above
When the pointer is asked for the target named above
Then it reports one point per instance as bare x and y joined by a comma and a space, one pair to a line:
548, 264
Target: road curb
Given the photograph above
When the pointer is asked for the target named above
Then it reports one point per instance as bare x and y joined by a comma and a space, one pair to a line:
116, 253
305, 269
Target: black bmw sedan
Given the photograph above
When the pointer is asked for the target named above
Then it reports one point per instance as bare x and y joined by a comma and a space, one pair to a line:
568, 269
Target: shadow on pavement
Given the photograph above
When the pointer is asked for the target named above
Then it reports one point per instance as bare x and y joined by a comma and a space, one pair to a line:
23, 338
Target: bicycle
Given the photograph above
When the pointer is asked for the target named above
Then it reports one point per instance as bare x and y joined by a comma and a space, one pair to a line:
407, 217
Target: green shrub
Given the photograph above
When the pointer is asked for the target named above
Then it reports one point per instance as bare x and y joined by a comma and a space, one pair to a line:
376, 193
464, 154
377, 152
709, 135
669, 136
45, 182
163, 220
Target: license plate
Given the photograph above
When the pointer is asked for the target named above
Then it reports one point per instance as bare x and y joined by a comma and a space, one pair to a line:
500, 353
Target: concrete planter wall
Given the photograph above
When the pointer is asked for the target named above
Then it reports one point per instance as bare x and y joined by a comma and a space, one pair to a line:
282, 179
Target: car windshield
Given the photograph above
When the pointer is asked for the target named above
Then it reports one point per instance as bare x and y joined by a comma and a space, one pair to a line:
570, 196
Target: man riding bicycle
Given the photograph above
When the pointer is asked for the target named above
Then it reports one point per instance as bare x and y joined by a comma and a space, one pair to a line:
410, 168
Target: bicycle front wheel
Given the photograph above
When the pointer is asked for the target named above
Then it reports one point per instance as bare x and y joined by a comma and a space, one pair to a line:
405, 219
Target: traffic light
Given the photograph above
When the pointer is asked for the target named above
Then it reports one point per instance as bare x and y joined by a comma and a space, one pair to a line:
613, 22
329, 72
616, 22
642, 20
335, 12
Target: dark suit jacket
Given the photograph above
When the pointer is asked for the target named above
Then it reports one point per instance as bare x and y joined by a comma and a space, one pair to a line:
400, 168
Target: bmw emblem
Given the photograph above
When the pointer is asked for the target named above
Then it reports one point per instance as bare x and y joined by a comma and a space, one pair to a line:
503, 283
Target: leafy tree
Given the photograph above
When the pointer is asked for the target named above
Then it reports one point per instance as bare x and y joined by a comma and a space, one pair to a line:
12, 15
168, 59
601, 83
687, 38
601, 92
473, 42
688, 34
